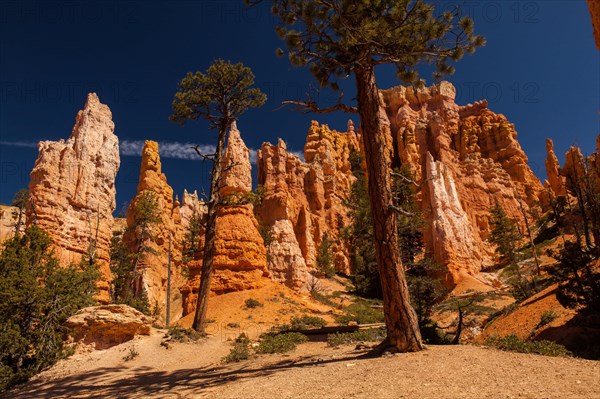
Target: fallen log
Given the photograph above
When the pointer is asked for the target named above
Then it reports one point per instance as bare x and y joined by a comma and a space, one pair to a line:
333, 329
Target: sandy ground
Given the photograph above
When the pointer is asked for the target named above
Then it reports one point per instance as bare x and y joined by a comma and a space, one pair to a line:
313, 370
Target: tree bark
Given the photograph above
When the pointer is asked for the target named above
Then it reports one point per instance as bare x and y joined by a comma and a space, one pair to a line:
209, 236
402, 328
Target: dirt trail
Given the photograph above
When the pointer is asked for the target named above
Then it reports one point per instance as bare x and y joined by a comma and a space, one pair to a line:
312, 371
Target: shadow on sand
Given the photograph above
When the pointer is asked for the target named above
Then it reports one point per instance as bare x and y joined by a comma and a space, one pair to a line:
141, 382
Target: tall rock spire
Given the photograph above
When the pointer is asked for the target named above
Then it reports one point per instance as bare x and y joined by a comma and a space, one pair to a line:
73, 189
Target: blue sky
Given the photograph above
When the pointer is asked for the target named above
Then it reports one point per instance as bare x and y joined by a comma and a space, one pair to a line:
540, 68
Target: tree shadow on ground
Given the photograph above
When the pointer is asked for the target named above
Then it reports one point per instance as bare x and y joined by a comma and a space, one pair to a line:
141, 382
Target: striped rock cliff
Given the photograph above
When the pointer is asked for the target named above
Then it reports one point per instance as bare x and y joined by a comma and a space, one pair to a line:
465, 158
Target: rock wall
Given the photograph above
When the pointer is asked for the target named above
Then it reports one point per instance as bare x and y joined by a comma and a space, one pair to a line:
8, 221
72, 187
556, 182
466, 158
240, 260
152, 265
304, 201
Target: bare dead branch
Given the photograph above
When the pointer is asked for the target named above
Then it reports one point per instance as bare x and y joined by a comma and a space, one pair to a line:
206, 157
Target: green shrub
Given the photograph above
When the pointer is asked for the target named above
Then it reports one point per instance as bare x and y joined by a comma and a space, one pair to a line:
181, 334
369, 335
37, 296
252, 303
280, 343
547, 317
513, 343
323, 299
325, 257
305, 322
361, 312
240, 350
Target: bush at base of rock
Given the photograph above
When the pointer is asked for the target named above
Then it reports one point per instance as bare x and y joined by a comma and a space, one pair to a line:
36, 297
280, 343
515, 344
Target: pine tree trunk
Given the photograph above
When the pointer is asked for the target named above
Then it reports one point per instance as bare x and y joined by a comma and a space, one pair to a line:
402, 327
209, 236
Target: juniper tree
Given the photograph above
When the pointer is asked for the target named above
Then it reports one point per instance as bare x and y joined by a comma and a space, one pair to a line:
37, 295
20, 200
504, 235
218, 96
338, 38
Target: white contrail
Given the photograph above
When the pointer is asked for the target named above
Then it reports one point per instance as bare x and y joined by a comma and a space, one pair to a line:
167, 149
28, 144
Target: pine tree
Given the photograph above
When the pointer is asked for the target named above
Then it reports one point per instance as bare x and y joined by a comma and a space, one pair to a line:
37, 295
219, 96
325, 257
504, 235
20, 200
421, 271
338, 38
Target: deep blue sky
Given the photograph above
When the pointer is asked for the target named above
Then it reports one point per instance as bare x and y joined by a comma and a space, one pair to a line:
540, 68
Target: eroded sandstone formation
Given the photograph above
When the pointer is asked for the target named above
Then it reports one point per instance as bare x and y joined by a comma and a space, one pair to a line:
466, 159
108, 325
304, 201
240, 260
555, 181
73, 189
153, 242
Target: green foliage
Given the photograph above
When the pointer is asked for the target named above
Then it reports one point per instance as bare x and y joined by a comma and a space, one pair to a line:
547, 317
220, 95
122, 268
513, 343
362, 312
240, 350
359, 234
181, 334
303, 322
36, 298
425, 289
20, 200
347, 35
192, 236
252, 197
504, 235
368, 335
578, 279
266, 234
325, 257
252, 303
280, 343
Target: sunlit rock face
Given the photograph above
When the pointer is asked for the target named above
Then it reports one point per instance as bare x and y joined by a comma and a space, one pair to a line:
164, 235
304, 202
465, 159
73, 189
240, 260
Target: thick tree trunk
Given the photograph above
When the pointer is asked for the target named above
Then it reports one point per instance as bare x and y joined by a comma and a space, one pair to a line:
209, 236
400, 319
